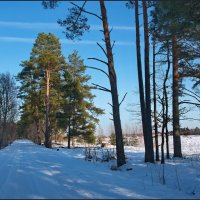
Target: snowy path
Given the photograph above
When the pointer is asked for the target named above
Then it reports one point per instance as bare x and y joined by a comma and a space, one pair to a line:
31, 171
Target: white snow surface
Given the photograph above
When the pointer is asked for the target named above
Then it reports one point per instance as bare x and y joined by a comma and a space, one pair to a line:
31, 171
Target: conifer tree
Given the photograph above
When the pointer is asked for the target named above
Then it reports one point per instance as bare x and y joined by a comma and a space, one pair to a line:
78, 113
40, 80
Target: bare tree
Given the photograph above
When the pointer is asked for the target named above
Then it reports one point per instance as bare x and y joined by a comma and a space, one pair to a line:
8, 105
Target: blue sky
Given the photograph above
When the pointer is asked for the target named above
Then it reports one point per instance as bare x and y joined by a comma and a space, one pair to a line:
20, 22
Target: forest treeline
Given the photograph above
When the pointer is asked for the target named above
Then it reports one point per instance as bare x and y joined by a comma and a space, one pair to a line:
56, 97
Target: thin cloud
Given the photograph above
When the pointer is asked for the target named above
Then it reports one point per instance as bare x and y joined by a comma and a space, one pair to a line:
17, 39
64, 41
29, 25
46, 25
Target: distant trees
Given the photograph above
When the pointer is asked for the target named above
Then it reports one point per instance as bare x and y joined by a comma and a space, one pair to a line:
54, 94
8, 108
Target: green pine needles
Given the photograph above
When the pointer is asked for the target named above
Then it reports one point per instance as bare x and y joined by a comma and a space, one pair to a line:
55, 95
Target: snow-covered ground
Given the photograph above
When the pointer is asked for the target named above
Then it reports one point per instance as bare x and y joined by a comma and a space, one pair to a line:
31, 171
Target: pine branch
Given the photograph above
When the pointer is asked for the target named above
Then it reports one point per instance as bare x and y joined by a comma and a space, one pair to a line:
91, 13
81, 8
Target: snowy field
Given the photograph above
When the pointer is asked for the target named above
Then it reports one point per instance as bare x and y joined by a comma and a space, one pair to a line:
31, 171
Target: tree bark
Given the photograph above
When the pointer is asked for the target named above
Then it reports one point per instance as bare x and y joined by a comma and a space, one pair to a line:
154, 101
150, 151
47, 123
175, 102
114, 92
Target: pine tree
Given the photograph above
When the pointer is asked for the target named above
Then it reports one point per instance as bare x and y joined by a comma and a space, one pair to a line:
40, 80
30, 93
78, 113
177, 23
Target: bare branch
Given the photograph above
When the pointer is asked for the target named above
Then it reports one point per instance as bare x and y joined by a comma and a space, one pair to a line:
113, 44
190, 119
102, 49
188, 102
191, 96
98, 60
99, 87
81, 9
98, 70
192, 92
110, 30
110, 104
123, 99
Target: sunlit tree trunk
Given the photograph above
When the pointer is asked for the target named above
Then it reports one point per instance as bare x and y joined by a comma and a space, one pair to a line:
176, 126
47, 123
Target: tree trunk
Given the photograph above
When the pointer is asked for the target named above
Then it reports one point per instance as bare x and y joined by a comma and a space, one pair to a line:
38, 133
69, 134
165, 111
166, 103
150, 152
176, 126
140, 79
154, 101
113, 83
47, 123
162, 132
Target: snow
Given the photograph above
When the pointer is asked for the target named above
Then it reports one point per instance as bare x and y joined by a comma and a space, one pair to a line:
31, 171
